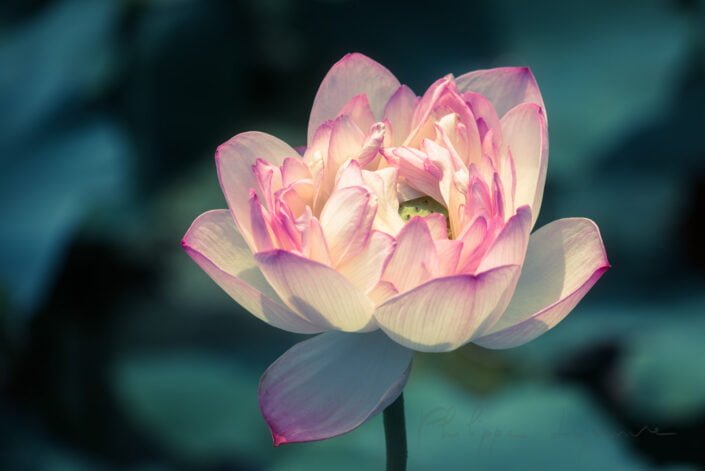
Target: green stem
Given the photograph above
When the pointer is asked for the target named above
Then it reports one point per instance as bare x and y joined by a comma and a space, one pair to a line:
395, 435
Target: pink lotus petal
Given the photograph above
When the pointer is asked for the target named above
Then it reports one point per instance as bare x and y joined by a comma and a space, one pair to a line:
353, 75
316, 292
331, 384
444, 313
564, 260
234, 161
526, 135
215, 244
505, 87
399, 111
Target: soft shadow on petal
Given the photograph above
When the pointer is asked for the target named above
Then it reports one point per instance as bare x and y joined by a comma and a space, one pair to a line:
215, 244
564, 260
331, 384
234, 160
505, 87
352, 75
317, 292
443, 314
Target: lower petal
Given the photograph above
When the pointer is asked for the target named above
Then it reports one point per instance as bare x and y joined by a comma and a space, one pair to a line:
444, 314
331, 384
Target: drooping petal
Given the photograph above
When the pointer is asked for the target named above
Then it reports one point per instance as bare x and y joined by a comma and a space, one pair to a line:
215, 244
331, 384
525, 133
564, 260
353, 75
317, 292
443, 314
234, 161
505, 87
399, 111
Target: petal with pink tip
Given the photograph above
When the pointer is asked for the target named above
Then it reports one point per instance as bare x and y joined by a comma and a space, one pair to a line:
443, 314
505, 87
399, 112
215, 244
353, 75
564, 260
316, 292
331, 384
525, 133
234, 161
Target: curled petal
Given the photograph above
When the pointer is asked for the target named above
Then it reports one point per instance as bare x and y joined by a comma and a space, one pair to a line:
444, 314
234, 161
564, 260
214, 243
505, 87
353, 75
317, 292
331, 384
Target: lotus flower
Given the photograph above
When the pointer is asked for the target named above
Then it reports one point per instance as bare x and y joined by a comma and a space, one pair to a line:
404, 226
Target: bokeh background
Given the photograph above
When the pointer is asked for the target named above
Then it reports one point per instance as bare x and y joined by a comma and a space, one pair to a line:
117, 351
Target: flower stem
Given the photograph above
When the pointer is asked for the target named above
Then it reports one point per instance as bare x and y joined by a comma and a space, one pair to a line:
395, 435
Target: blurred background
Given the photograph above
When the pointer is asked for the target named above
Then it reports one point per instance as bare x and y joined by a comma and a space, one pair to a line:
118, 352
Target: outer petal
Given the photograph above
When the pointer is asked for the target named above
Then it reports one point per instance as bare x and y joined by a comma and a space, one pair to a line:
316, 291
564, 260
350, 76
524, 131
215, 244
234, 160
505, 87
443, 314
331, 384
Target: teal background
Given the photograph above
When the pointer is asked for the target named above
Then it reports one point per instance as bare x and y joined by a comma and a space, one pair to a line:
117, 351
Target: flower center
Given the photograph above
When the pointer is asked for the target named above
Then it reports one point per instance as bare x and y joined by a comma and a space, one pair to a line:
423, 206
